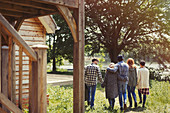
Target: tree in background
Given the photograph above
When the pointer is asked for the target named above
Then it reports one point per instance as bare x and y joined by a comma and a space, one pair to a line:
60, 43
139, 26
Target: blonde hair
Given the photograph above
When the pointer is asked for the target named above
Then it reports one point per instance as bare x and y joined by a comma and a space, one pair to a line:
131, 62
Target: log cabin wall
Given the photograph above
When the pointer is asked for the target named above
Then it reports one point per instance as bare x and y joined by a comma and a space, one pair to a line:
34, 33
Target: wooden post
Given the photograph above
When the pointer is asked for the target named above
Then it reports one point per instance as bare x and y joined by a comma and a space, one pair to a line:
30, 85
39, 83
4, 75
0, 56
20, 77
13, 74
78, 63
9, 68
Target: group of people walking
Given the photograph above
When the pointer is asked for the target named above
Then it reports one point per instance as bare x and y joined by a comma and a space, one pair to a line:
118, 78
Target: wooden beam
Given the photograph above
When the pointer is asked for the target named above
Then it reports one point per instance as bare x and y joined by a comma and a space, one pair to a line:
25, 15
9, 68
18, 8
70, 20
31, 4
20, 77
11, 13
78, 62
17, 38
8, 104
18, 24
67, 3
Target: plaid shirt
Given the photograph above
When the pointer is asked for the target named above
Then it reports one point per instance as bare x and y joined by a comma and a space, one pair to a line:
92, 72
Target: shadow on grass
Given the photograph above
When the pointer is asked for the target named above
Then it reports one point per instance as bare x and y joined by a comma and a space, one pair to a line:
67, 86
138, 109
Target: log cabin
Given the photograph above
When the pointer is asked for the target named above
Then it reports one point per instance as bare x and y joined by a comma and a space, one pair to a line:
23, 52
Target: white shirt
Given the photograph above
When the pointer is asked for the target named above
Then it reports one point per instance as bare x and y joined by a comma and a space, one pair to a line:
143, 78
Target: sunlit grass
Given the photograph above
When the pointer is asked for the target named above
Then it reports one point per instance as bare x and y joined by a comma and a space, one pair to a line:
61, 100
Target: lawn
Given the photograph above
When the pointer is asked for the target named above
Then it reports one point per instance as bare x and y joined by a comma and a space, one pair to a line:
61, 100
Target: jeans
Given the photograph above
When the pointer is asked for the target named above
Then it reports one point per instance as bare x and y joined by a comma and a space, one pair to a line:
122, 91
131, 90
111, 102
140, 97
91, 94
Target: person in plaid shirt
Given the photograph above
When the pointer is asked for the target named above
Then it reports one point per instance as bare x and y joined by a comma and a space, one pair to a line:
123, 70
92, 74
143, 82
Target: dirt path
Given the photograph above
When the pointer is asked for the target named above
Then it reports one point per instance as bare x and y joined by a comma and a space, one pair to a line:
56, 79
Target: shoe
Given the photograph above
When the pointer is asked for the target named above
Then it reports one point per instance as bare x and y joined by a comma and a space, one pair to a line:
143, 106
140, 102
136, 105
125, 107
92, 107
121, 109
88, 103
130, 105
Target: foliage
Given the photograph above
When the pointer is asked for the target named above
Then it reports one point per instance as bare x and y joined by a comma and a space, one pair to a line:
117, 25
60, 43
61, 100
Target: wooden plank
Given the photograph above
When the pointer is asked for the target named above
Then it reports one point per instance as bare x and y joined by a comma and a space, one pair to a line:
9, 68
67, 3
8, 104
30, 85
32, 33
70, 20
36, 24
20, 77
31, 28
78, 62
17, 37
4, 75
31, 4
33, 39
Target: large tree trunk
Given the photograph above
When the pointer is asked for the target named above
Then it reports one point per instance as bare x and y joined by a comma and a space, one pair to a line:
53, 55
54, 64
113, 55
114, 51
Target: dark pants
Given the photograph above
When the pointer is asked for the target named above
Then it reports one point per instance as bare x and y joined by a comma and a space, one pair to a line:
111, 102
91, 94
131, 90
140, 97
122, 92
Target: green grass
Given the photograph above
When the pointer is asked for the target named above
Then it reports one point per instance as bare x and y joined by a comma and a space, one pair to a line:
61, 100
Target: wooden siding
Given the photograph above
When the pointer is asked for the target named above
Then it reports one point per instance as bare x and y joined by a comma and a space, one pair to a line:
33, 32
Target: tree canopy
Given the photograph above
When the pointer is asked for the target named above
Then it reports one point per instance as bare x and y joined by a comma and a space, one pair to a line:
140, 26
